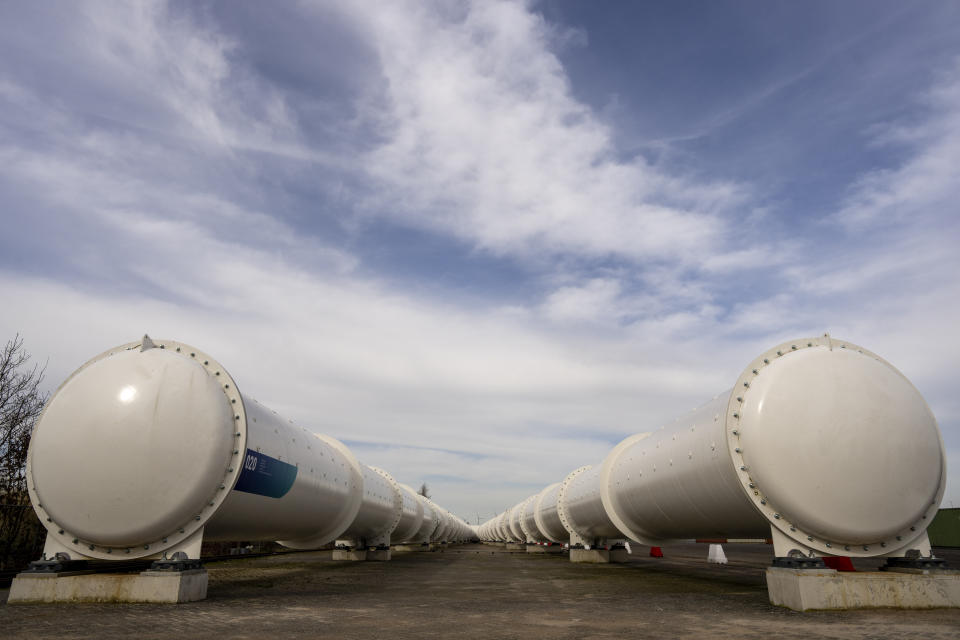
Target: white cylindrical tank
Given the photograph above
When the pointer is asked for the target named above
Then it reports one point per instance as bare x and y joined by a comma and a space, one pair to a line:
546, 516
679, 482
445, 527
512, 526
820, 438
429, 523
464, 531
485, 532
150, 445
821, 444
581, 510
514, 522
411, 516
503, 527
528, 521
380, 511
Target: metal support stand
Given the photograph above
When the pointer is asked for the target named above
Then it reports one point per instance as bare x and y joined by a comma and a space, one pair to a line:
177, 562
799, 562
915, 562
59, 564
380, 553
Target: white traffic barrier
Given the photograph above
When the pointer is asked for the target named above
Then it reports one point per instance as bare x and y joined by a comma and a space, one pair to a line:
715, 554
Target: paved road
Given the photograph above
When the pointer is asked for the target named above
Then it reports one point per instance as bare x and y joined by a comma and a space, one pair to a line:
474, 591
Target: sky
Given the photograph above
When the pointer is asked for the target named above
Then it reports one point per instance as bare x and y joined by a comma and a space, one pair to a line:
483, 242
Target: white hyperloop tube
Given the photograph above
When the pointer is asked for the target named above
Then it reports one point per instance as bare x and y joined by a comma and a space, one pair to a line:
514, 521
503, 527
443, 526
381, 509
446, 533
546, 515
528, 521
150, 447
821, 439
450, 529
821, 444
429, 523
581, 509
485, 532
412, 516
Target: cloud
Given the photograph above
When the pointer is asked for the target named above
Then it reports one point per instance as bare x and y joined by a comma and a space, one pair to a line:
920, 188
482, 139
594, 300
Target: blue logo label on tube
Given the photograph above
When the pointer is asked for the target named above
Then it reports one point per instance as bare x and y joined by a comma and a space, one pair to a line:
265, 476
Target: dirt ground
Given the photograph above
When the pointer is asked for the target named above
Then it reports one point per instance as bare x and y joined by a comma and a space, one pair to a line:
475, 591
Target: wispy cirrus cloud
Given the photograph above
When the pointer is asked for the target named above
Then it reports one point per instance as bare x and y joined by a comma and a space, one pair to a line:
482, 139
926, 182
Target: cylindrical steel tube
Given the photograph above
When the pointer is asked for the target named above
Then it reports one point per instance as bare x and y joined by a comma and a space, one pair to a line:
514, 521
411, 516
546, 516
820, 444
678, 482
503, 527
819, 438
379, 513
150, 444
429, 522
581, 508
528, 522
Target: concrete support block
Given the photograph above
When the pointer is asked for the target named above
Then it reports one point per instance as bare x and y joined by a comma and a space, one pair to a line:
543, 548
516, 546
350, 555
378, 555
592, 556
598, 556
150, 586
618, 554
806, 589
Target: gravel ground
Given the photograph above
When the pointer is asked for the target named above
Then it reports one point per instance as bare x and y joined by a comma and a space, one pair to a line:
475, 591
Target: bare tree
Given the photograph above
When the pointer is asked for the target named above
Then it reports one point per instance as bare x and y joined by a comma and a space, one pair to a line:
424, 491
21, 402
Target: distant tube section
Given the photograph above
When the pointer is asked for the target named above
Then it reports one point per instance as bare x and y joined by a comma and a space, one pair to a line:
546, 516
